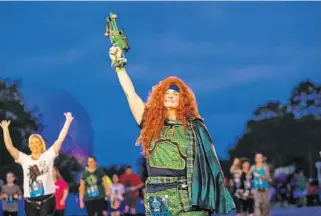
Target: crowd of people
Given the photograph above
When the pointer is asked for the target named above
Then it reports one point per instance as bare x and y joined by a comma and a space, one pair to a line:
101, 196
255, 187
98, 194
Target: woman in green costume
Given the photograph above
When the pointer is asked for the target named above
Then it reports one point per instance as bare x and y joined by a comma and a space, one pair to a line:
184, 174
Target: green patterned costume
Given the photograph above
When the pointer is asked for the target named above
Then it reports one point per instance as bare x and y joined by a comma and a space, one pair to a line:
175, 185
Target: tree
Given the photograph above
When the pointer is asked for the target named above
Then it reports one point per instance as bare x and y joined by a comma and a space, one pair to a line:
115, 169
69, 168
24, 121
286, 133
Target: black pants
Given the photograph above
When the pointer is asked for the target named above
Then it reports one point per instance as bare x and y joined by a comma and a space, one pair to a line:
60, 213
244, 206
7, 213
40, 206
95, 207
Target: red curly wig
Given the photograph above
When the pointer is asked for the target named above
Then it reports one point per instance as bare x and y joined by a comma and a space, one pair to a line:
155, 113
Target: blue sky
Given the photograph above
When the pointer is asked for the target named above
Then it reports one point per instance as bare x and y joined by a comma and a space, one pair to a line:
235, 56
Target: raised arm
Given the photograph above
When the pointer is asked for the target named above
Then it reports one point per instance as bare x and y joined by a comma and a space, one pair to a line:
7, 140
234, 168
136, 104
63, 133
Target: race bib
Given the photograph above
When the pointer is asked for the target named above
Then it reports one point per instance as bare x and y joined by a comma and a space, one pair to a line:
158, 206
10, 200
92, 191
36, 189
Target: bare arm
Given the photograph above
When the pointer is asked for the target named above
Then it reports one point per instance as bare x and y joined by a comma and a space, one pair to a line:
252, 169
136, 104
7, 140
267, 175
81, 190
66, 192
63, 133
138, 186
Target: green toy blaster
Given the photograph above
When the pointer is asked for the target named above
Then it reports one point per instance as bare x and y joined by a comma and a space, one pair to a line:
117, 38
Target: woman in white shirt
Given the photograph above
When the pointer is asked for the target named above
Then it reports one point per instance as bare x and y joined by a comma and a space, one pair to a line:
38, 182
117, 201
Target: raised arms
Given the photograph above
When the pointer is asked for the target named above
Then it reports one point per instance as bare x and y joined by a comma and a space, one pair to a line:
7, 140
136, 104
63, 133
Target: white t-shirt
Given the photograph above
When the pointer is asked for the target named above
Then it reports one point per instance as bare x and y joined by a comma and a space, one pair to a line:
118, 191
38, 174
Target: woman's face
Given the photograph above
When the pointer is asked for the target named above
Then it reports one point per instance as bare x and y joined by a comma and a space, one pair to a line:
115, 179
35, 145
246, 165
91, 163
259, 158
171, 99
10, 178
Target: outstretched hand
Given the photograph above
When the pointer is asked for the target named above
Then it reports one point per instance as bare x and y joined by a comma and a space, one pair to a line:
115, 55
5, 124
68, 116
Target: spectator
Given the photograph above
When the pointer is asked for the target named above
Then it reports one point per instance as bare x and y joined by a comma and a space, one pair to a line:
117, 203
93, 189
261, 178
243, 196
61, 193
234, 186
132, 183
299, 192
312, 192
10, 194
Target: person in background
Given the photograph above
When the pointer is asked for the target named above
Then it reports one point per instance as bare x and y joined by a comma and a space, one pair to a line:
93, 189
118, 190
132, 183
300, 191
244, 192
260, 185
61, 193
1, 183
236, 172
10, 194
312, 189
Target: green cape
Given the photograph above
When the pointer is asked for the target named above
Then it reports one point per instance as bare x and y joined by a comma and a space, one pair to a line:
208, 188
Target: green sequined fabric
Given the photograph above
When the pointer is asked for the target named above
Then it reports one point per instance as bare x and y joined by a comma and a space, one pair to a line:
170, 151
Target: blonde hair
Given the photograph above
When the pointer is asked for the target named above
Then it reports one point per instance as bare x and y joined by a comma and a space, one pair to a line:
41, 140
